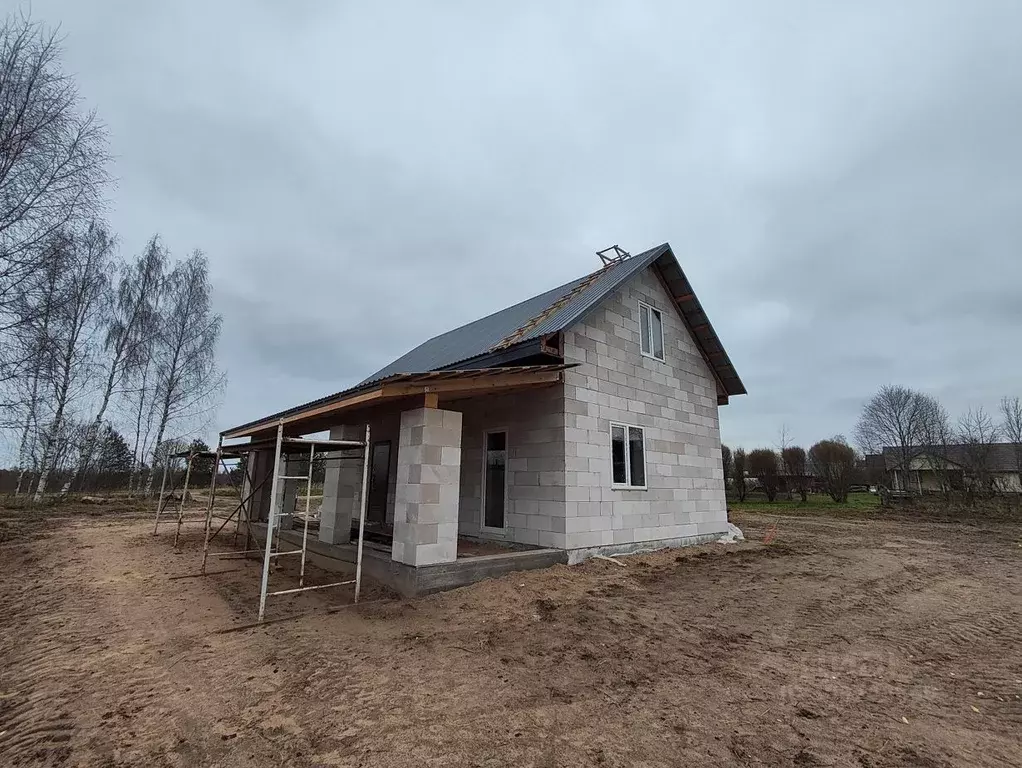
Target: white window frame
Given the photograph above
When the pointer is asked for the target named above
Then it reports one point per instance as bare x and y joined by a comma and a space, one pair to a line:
649, 339
627, 486
483, 528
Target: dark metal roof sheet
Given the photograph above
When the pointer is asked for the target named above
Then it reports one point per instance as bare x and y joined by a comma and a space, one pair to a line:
559, 309
555, 310
473, 339
484, 335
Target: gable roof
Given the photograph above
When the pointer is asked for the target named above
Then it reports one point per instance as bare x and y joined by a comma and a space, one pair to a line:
559, 309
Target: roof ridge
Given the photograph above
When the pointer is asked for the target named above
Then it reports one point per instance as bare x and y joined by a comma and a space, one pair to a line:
515, 336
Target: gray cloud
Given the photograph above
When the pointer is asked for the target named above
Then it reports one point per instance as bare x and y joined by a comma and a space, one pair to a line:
842, 182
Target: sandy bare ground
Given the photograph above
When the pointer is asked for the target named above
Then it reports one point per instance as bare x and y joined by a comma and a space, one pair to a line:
840, 643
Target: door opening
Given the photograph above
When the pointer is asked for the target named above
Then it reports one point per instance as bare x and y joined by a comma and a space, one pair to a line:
494, 481
379, 477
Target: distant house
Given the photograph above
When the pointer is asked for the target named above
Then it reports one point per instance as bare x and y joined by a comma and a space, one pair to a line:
935, 468
582, 420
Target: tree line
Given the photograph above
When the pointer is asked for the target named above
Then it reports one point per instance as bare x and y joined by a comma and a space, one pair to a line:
829, 465
913, 426
102, 357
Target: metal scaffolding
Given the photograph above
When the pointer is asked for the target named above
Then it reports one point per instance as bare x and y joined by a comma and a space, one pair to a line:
285, 445
282, 448
167, 495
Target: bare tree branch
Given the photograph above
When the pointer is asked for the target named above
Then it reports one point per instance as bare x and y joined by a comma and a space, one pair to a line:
186, 379
75, 324
53, 162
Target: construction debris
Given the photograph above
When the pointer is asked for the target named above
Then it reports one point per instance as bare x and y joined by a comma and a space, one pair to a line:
734, 534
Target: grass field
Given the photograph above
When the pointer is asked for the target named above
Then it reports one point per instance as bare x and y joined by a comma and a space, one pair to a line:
817, 504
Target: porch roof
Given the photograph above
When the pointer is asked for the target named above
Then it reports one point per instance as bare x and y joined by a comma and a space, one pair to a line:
309, 417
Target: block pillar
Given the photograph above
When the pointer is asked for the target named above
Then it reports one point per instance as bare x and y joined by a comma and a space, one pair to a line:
342, 488
428, 487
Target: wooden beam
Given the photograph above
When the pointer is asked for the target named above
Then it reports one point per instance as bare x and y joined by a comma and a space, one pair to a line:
435, 386
475, 384
364, 397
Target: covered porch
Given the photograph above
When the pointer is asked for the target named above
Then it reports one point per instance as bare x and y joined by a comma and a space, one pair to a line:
438, 481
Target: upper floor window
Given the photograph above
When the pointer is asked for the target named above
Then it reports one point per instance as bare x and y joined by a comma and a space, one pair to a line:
651, 332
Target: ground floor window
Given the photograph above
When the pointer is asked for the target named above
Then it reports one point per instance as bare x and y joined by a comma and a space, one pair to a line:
628, 456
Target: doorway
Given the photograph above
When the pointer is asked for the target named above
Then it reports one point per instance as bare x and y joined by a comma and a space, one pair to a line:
494, 481
379, 479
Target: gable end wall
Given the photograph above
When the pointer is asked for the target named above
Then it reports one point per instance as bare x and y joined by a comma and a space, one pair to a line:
675, 401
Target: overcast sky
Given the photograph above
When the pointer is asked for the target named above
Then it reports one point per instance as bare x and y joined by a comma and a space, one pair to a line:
841, 181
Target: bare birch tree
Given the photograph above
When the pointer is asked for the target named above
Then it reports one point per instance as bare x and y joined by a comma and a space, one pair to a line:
74, 323
52, 164
130, 328
35, 337
185, 375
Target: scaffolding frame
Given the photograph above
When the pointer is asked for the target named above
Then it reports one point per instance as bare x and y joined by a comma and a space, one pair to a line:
242, 509
166, 496
276, 511
282, 447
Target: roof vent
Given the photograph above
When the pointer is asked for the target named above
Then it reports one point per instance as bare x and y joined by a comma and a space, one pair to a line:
612, 254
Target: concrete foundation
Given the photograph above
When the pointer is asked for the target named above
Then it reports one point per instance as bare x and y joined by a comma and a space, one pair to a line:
410, 581
578, 555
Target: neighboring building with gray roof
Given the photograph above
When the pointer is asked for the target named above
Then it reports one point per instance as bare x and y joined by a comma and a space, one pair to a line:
933, 467
581, 420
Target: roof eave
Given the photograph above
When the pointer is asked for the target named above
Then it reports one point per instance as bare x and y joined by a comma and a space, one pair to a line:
678, 287
457, 383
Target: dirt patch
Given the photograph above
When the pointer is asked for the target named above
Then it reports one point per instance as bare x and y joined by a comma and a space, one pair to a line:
839, 643
476, 548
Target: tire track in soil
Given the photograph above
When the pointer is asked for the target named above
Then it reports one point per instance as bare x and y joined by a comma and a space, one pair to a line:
46, 683
37, 685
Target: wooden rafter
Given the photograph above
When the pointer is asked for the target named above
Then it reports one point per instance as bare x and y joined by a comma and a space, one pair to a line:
430, 387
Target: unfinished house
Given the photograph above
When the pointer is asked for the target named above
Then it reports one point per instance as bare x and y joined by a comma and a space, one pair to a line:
580, 421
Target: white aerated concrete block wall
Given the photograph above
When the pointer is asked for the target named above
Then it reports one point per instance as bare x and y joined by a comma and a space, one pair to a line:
675, 401
428, 485
534, 421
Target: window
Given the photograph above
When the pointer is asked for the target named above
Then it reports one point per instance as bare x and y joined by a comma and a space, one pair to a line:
651, 332
628, 456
